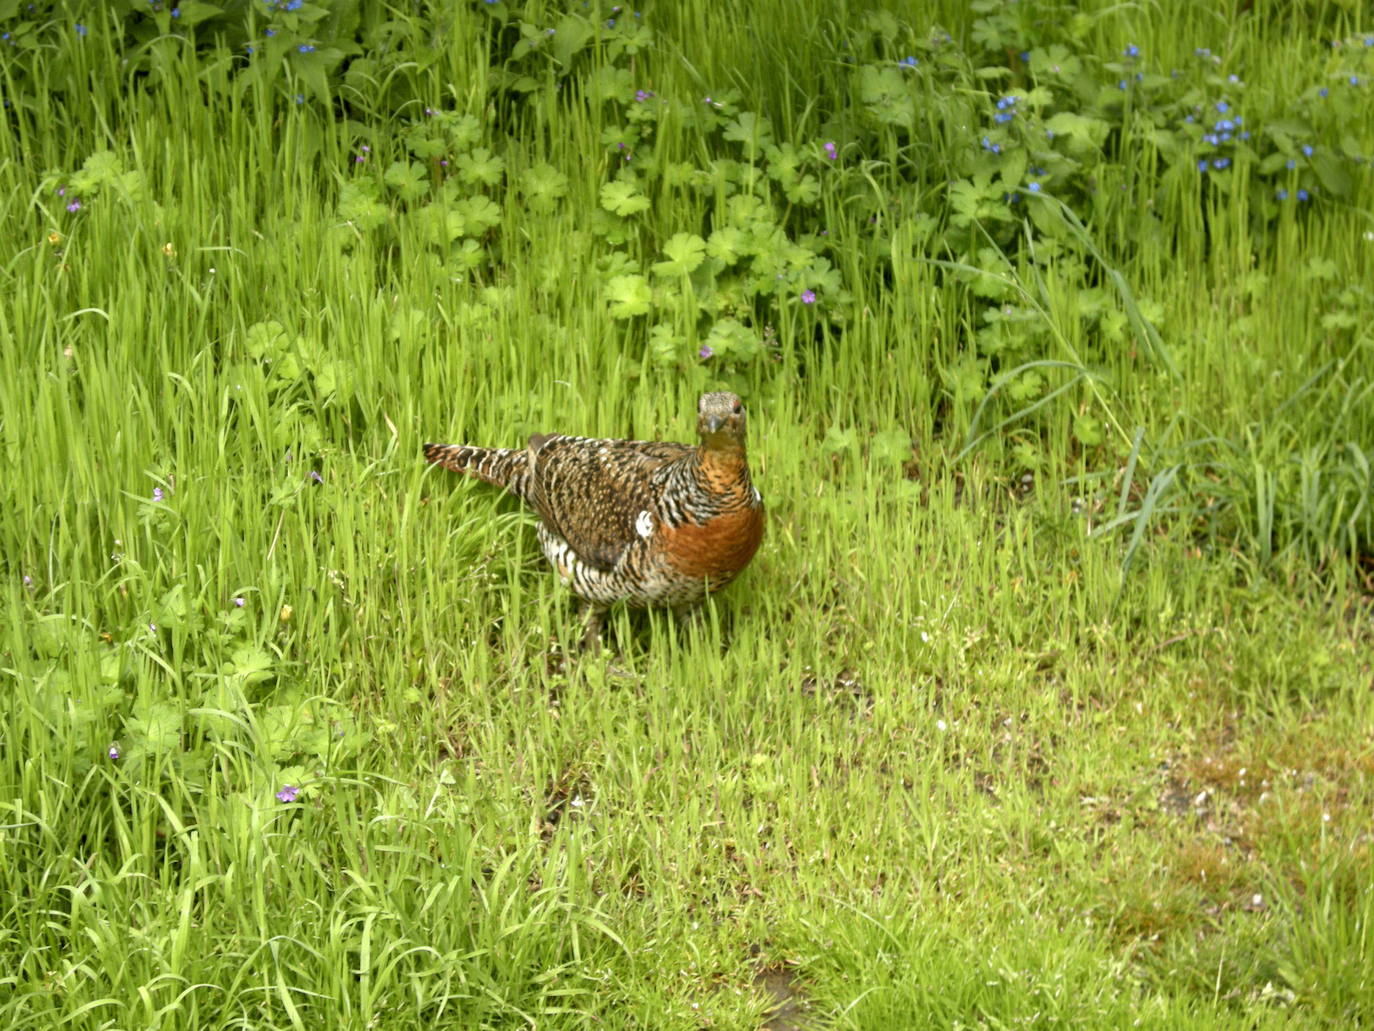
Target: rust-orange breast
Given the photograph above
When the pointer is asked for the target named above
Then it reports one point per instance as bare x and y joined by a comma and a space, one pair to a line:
717, 550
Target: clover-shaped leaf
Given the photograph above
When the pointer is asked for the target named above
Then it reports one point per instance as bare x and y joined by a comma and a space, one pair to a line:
685, 252
623, 198
629, 296
409, 179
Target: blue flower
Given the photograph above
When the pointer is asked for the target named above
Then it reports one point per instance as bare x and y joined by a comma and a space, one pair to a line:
1202, 165
1034, 187
1121, 84
1132, 51
1323, 92
1307, 150
80, 29
996, 148
909, 62
1025, 57
1202, 52
1354, 80
1281, 193
1233, 79
1302, 195
1290, 164
176, 12
1220, 162
306, 48
705, 351
1222, 106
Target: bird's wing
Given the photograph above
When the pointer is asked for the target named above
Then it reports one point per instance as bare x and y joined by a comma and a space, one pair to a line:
592, 492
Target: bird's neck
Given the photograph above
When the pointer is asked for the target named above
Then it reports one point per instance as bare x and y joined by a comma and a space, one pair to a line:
722, 467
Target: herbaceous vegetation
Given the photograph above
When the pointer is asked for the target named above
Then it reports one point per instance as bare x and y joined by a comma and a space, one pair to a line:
1047, 701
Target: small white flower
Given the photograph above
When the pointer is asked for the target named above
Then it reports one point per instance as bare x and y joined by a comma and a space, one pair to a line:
941, 726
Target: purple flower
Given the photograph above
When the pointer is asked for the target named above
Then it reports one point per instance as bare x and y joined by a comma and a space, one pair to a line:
113, 753
642, 95
316, 476
705, 351
808, 297
238, 603
288, 793
830, 150
152, 628
157, 494
74, 206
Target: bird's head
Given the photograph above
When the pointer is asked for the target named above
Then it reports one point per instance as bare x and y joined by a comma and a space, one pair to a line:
720, 421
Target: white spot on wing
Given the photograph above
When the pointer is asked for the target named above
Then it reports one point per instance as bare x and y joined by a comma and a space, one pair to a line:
644, 524
758, 498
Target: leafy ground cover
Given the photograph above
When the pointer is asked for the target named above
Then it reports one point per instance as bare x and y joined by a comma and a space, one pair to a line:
1047, 701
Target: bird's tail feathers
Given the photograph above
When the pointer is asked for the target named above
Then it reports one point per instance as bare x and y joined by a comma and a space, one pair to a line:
501, 466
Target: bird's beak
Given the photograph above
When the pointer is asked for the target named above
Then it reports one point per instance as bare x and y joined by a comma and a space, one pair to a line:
714, 422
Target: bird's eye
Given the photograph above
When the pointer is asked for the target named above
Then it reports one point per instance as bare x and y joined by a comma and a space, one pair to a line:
736, 407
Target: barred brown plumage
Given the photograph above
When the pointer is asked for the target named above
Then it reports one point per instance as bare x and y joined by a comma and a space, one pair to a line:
647, 523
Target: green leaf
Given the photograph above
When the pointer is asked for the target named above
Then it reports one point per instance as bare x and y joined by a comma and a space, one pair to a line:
727, 245
751, 130
481, 166
665, 346
685, 252
623, 198
838, 439
409, 179
890, 447
360, 207
543, 186
806, 190
267, 340
479, 214
1087, 429
628, 296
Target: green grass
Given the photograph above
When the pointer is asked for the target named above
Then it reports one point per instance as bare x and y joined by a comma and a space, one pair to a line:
938, 758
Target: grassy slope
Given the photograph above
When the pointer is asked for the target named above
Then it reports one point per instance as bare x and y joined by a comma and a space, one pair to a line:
948, 770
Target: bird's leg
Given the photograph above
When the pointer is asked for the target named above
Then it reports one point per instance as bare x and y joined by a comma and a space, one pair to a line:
690, 615
593, 618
